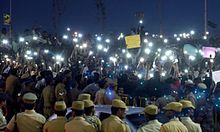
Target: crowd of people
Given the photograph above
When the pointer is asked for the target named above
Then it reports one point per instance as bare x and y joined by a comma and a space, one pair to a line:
30, 96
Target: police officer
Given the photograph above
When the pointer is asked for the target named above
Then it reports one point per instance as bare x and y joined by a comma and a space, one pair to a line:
174, 125
114, 123
57, 125
78, 123
153, 125
28, 121
187, 111
3, 121
84, 96
89, 115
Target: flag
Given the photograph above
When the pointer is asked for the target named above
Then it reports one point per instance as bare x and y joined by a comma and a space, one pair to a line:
133, 41
212, 24
7, 19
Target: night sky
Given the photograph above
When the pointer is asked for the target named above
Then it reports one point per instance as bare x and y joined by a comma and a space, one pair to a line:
81, 15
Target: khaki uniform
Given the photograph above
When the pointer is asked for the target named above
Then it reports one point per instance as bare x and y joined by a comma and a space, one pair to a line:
60, 92
94, 121
190, 125
174, 125
78, 124
48, 98
114, 124
28, 121
151, 126
11, 85
56, 125
3, 122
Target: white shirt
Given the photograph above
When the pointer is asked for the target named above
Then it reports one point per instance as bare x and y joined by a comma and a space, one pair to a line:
151, 126
190, 125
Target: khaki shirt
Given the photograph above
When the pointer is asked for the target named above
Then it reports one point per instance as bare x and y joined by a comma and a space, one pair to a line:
94, 121
28, 121
11, 83
48, 96
56, 125
190, 125
174, 125
60, 92
3, 122
151, 126
78, 124
114, 124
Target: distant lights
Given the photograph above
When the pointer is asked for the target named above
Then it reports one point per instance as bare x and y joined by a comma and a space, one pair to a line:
147, 51
150, 44
75, 40
107, 40
21, 39
192, 32
145, 41
99, 38
128, 55
65, 37
205, 37
165, 40
99, 47
178, 39
141, 59
68, 29
141, 21
35, 38
5, 41
46, 51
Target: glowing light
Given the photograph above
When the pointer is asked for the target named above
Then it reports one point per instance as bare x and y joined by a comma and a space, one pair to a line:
175, 35
80, 46
35, 53
128, 55
159, 50
126, 67
6, 56
65, 37
192, 57
140, 76
147, 51
141, 21
90, 52
151, 75
28, 52
105, 50
21, 39
84, 45
146, 33
75, 40
141, 59
192, 32
29, 58
186, 71
100, 47
102, 61
163, 58
145, 41
80, 35
26, 43
68, 29
123, 50
161, 36
181, 35
168, 53
99, 38
178, 39
113, 59
185, 52
35, 38
171, 57
165, 40
163, 74
46, 51
77, 46
176, 61
205, 37
207, 33
107, 41
150, 44
211, 60
5, 41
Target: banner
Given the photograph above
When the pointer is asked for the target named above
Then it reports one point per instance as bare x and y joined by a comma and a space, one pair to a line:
133, 41
7, 19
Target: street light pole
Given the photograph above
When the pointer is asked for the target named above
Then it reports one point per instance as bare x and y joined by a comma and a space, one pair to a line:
205, 17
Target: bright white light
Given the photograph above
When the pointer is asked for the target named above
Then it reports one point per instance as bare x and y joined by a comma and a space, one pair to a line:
145, 41
26, 43
186, 71
151, 75
146, 33
147, 51
35, 53
105, 50
153, 35
141, 21
150, 44
80, 35
178, 39
128, 55
107, 40
192, 32
205, 37
171, 57
65, 37
168, 52
161, 36
159, 50
35, 38
176, 61
99, 38
28, 52
165, 40
192, 57
207, 33
90, 52
21, 39
6, 56
163, 74
46, 51
59, 58
100, 47
77, 46
84, 45
123, 50
121, 35
102, 61
80, 62
5, 41
181, 35
75, 40
163, 58
126, 67
211, 60
68, 29
201, 52
25, 56
29, 58
175, 35
80, 46
113, 59
185, 52
140, 76
141, 59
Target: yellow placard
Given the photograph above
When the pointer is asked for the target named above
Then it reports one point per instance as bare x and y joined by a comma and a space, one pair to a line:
133, 41
7, 19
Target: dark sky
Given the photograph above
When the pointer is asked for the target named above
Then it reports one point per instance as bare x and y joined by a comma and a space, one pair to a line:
81, 15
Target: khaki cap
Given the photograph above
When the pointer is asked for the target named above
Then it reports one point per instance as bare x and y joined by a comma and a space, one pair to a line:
202, 86
82, 97
29, 98
78, 105
60, 106
119, 104
175, 106
189, 82
151, 110
187, 104
88, 103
